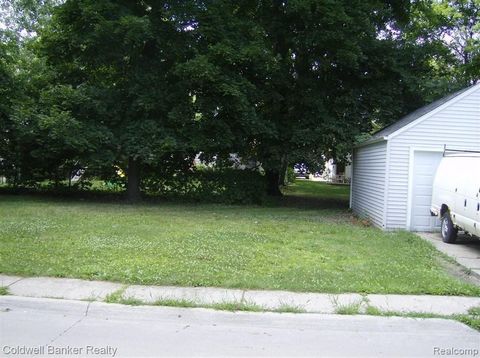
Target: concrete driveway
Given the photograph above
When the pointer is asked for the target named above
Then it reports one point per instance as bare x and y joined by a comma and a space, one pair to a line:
466, 250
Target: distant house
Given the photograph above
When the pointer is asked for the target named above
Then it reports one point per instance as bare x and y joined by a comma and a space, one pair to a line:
337, 173
393, 171
235, 160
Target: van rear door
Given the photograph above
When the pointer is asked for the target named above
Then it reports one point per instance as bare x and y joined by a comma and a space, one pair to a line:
474, 212
469, 197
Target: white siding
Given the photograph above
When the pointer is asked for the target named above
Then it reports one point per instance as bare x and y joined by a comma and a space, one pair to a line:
457, 125
368, 181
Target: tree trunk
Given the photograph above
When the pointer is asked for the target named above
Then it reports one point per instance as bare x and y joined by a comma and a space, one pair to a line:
133, 181
273, 182
283, 170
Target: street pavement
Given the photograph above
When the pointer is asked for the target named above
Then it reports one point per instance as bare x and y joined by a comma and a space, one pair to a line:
95, 329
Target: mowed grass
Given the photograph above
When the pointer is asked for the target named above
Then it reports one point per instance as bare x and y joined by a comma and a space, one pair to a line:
319, 190
318, 247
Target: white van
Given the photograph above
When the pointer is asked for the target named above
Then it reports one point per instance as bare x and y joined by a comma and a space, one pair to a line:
456, 194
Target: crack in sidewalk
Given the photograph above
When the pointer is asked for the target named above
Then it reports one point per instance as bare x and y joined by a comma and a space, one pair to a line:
14, 282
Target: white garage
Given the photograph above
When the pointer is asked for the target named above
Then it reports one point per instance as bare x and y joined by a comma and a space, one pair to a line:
393, 171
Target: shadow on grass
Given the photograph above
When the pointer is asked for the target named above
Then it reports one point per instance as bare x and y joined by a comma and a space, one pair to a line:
307, 201
67, 194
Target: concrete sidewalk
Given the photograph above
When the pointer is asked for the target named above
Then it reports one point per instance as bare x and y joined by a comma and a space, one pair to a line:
466, 250
45, 287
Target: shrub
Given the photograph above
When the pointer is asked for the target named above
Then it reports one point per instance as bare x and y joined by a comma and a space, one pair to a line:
290, 177
174, 178
231, 186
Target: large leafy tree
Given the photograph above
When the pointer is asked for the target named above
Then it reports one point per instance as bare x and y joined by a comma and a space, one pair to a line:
135, 83
334, 76
7, 94
41, 138
121, 55
226, 76
449, 30
284, 80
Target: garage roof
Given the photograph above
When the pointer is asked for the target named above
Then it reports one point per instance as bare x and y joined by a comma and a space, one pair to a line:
409, 118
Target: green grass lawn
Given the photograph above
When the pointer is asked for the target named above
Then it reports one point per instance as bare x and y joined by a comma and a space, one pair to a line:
306, 241
319, 190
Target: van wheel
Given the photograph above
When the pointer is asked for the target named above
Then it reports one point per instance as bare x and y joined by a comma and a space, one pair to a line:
449, 232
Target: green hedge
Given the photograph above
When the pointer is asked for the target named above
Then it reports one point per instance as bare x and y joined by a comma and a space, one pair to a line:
221, 185
229, 186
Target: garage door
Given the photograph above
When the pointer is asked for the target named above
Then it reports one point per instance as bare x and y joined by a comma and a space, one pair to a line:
424, 167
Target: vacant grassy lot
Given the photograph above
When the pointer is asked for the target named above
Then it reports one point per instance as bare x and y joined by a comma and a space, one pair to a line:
284, 245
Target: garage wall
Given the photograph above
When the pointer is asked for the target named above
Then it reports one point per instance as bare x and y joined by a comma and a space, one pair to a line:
457, 125
368, 181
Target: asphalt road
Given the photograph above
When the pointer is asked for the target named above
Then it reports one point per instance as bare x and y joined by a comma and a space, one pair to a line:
77, 328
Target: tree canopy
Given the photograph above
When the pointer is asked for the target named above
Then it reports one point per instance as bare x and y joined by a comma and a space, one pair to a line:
143, 85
